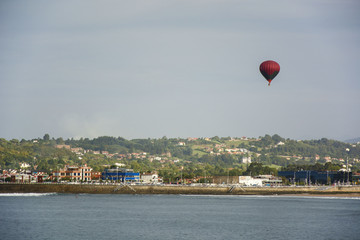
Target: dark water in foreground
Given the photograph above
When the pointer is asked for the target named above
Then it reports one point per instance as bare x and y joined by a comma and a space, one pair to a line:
69, 216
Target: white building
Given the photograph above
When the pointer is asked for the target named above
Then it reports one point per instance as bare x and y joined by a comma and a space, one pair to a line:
246, 159
120, 165
260, 181
149, 178
249, 181
24, 165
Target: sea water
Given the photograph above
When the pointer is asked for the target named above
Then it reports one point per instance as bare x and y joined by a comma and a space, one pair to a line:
103, 216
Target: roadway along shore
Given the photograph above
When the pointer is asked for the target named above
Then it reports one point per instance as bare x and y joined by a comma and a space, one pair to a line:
346, 191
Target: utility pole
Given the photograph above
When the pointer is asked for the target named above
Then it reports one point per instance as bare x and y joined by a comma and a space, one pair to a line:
228, 177
327, 177
347, 165
181, 175
204, 176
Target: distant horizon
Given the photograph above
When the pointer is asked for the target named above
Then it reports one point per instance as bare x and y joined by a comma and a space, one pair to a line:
351, 140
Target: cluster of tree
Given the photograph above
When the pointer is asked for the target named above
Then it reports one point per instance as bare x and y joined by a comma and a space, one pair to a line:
312, 148
42, 156
315, 167
256, 169
123, 146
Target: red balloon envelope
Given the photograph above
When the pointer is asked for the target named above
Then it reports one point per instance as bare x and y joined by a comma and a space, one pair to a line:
269, 69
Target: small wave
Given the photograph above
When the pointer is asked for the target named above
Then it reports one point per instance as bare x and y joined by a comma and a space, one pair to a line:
328, 197
304, 196
274, 196
26, 194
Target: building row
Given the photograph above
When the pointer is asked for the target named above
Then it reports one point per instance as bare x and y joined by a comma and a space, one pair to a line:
124, 175
81, 174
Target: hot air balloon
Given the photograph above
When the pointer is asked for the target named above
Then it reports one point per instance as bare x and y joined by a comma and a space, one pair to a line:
269, 69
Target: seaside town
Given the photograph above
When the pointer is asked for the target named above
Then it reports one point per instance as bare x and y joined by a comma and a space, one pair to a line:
249, 163
181, 119
85, 174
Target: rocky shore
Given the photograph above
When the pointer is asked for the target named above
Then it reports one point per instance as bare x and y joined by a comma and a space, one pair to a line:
349, 191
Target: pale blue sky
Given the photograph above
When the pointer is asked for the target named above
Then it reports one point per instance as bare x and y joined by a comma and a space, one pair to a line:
179, 68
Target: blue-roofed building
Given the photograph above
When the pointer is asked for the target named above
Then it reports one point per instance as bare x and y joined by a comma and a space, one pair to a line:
120, 175
317, 177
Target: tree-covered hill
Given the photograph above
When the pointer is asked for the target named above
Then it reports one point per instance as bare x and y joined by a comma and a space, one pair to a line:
170, 156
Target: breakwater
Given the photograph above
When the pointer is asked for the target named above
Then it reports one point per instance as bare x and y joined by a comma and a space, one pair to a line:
178, 189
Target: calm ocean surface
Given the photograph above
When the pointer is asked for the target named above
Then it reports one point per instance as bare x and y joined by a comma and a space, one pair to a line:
86, 216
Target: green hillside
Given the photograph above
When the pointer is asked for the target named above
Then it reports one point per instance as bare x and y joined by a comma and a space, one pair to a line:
172, 157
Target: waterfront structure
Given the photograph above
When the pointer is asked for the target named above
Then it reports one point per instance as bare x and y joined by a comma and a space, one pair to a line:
120, 175
73, 173
260, 180
226, 179
95, 175
317, 177
150, 178
269, 180
250, 181
24, 177
356, 178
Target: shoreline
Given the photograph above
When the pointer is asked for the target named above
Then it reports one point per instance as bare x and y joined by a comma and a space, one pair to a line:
333, 191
